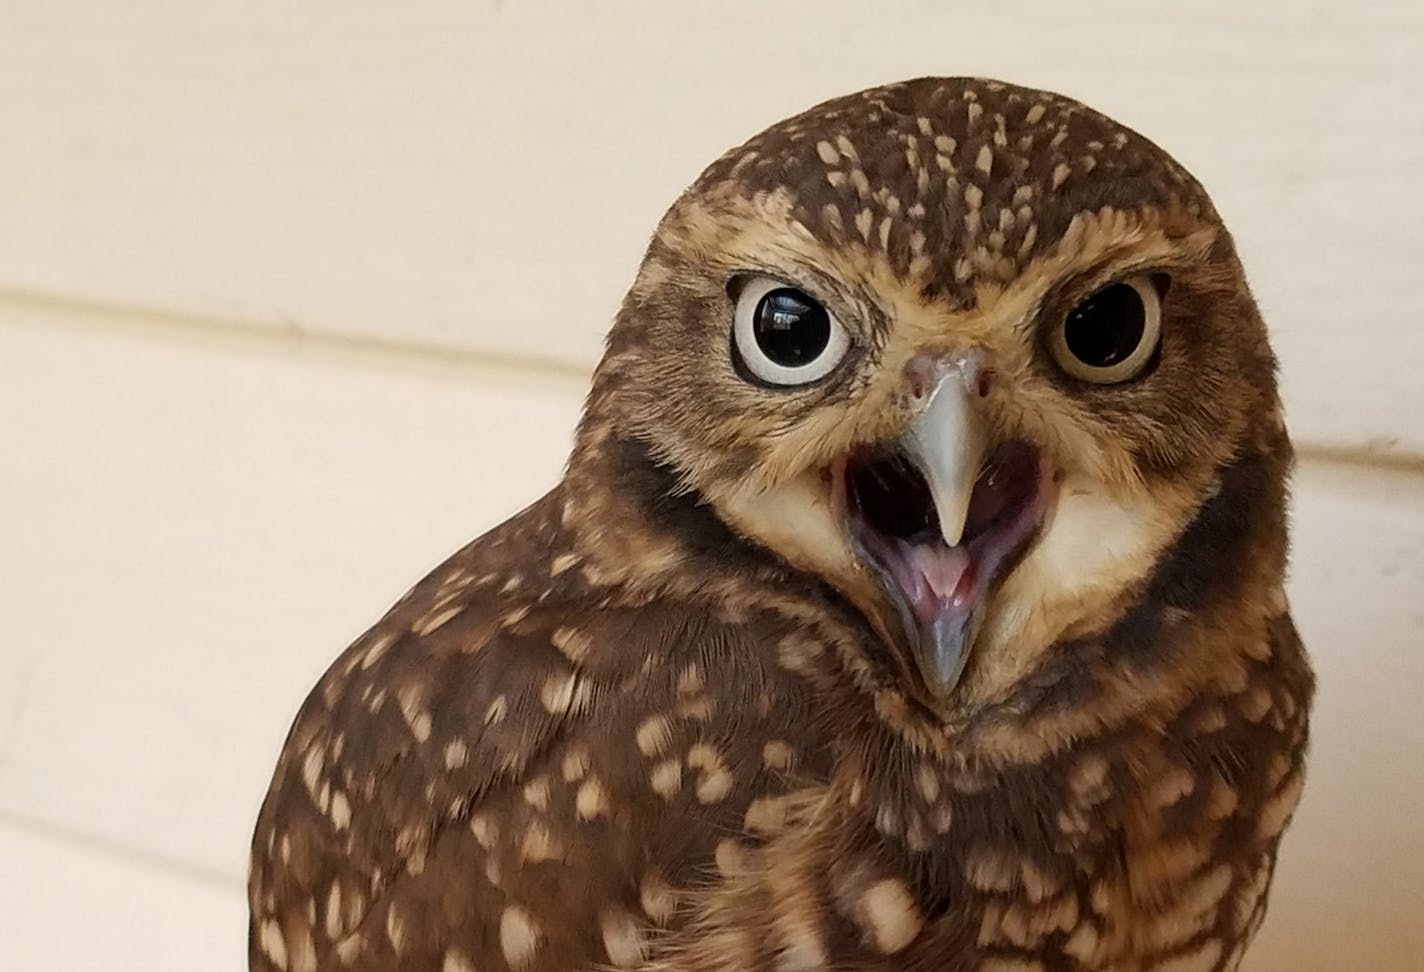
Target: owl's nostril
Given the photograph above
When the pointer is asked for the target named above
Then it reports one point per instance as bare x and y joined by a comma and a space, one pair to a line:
924, 371
984, 382
921, 374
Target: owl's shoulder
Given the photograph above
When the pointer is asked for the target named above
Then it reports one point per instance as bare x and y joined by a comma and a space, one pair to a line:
500, 729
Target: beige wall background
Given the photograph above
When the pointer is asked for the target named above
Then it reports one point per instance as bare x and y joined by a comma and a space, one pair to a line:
297, 297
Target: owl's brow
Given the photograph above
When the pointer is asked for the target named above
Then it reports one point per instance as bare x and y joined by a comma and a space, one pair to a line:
843, 292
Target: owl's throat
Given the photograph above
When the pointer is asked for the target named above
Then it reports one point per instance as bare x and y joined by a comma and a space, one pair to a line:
941, 591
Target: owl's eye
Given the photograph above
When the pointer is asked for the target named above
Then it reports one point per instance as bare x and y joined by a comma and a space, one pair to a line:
1111, 336
784, 336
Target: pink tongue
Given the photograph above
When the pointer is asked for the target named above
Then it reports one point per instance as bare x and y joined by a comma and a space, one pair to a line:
944, 573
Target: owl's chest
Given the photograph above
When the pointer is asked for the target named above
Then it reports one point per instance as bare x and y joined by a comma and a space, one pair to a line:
1130, 859
1177, 905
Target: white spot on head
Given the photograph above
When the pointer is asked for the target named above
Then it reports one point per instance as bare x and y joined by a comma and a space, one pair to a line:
557, 693
666, 778
395, 929
436, 619
766, 816
690, 682
340, 811
485, 829
927, 782
864, 220
590, 801
412, 707
377, 649
1040, 885
539, 845
1083, 943
269, 939
890, 915
519, 936
573, 644
1170, 788
1276, 601
989, 870
797, 653
301, 950
984, 162
456, 961
1276, 812
456, 754
716, 781
536, 793
654, 735
778, 755
730, 858
335, 919
657, 897
312, 765
622, 938
496, 712
699, 709
1255, 703
350, 947
801, 947
575, 764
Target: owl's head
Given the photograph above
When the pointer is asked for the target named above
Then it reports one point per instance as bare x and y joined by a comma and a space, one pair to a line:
975, 355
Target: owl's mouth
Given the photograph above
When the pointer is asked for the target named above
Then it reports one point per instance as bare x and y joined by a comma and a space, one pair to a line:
940, 590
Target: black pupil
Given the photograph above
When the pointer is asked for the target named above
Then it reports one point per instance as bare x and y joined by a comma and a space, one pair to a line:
791, 328
1107, 327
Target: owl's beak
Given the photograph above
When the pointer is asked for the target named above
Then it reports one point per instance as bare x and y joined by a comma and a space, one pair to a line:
947, 443
942, 517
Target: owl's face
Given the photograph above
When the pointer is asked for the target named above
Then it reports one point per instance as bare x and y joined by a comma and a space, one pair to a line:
971, 353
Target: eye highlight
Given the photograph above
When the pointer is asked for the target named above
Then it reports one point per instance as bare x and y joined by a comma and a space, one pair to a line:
1111, 336
783, 335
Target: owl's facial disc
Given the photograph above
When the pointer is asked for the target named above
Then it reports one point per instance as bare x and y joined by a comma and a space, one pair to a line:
941, 516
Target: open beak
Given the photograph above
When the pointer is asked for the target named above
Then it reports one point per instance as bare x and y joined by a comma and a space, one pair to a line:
941, 517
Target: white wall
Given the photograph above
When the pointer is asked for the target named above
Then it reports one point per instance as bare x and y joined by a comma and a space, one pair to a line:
294, 298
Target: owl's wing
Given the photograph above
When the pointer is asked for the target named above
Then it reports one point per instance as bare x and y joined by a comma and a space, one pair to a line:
530, 781
412, 730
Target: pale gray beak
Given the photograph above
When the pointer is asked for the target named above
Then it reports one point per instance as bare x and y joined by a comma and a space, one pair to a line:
947, 443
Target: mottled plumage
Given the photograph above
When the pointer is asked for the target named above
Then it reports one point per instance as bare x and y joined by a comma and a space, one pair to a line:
677, 714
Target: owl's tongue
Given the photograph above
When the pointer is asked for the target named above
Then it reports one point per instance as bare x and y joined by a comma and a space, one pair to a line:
943, 589
934, 574
900, 529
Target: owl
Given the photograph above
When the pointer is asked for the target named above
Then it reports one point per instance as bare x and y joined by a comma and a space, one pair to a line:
912, 599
